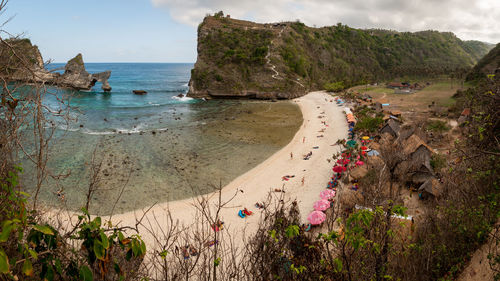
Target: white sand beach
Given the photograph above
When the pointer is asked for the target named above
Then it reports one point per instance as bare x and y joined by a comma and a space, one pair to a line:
255, 185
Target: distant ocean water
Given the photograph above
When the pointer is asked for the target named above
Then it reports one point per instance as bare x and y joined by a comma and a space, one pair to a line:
157, 147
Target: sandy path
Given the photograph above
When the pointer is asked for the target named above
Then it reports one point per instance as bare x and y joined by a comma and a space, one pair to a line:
267, 176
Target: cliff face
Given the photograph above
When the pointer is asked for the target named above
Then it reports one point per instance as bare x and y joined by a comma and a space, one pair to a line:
21, 61
241, 59
489, 64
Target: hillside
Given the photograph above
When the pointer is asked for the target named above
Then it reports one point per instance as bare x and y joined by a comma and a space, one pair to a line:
487, 65
284, 60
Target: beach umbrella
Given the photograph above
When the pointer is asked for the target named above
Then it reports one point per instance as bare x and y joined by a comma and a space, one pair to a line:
351, 143
327, 194
316, 217
343, 161
321, 205
359, 163
366, 137
364, 148
338, 169
373, 153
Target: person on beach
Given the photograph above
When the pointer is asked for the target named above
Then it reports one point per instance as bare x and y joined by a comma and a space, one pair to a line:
303, 179
291, 155
303, 139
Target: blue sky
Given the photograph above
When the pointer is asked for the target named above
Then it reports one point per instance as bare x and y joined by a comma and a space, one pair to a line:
165, 30
103, 31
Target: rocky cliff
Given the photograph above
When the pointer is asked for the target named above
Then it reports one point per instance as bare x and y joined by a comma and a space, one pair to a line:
241, 59
21, 61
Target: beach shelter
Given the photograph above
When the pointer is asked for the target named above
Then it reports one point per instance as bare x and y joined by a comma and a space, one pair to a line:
316, 217
351, 143
338, 169
364, 148
327, 194
373, 153
321, 205
366, 137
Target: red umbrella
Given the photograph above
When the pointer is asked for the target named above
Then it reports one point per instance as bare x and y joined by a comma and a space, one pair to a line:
338, 169
364, 148
316, 217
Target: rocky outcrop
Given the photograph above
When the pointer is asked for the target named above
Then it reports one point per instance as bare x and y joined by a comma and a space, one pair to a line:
21, 61
75, 76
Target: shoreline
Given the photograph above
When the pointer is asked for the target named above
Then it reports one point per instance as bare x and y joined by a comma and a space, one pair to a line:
256, 184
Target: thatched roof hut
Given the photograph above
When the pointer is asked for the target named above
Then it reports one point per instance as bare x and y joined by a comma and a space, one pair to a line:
391, 127
430, 188
413, 144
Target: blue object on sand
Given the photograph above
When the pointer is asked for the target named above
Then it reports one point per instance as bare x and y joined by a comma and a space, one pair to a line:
241, 214
386, 104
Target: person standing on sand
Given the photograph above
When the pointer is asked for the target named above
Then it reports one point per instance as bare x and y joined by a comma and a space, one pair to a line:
303, 139
291, 155
303, 179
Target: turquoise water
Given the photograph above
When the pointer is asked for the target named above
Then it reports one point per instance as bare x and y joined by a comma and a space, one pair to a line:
155, 147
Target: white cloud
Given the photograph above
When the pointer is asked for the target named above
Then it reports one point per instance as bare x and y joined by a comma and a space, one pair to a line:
468, 19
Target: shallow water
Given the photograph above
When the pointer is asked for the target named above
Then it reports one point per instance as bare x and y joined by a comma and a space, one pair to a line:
157, 148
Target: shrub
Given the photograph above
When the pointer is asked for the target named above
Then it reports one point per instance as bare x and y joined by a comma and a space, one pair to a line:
437, 126
438, 162
334, 87
370, 124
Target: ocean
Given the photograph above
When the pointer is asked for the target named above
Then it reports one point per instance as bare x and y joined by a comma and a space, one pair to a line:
156, 147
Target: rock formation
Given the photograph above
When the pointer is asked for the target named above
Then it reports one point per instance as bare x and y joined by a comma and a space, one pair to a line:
75, 76
21, 61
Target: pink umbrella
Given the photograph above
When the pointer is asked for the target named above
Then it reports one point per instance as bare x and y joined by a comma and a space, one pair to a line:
327, 194
316, 217
321, 205
359, 163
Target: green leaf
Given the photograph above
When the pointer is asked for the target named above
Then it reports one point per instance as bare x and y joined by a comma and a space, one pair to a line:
120, 236
117, 268
6, 230
99, 250
44, 229
143, 248
97, 222
338, 265
85, 274
292, 231
104, 240
4, 262
33, 254
27, 268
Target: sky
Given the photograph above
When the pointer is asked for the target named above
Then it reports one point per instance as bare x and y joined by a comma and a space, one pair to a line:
165, 30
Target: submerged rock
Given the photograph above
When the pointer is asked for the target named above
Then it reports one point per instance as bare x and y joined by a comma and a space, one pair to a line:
139, 92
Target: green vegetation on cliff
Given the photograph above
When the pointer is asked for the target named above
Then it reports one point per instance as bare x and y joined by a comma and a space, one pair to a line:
232, 57
487, 65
